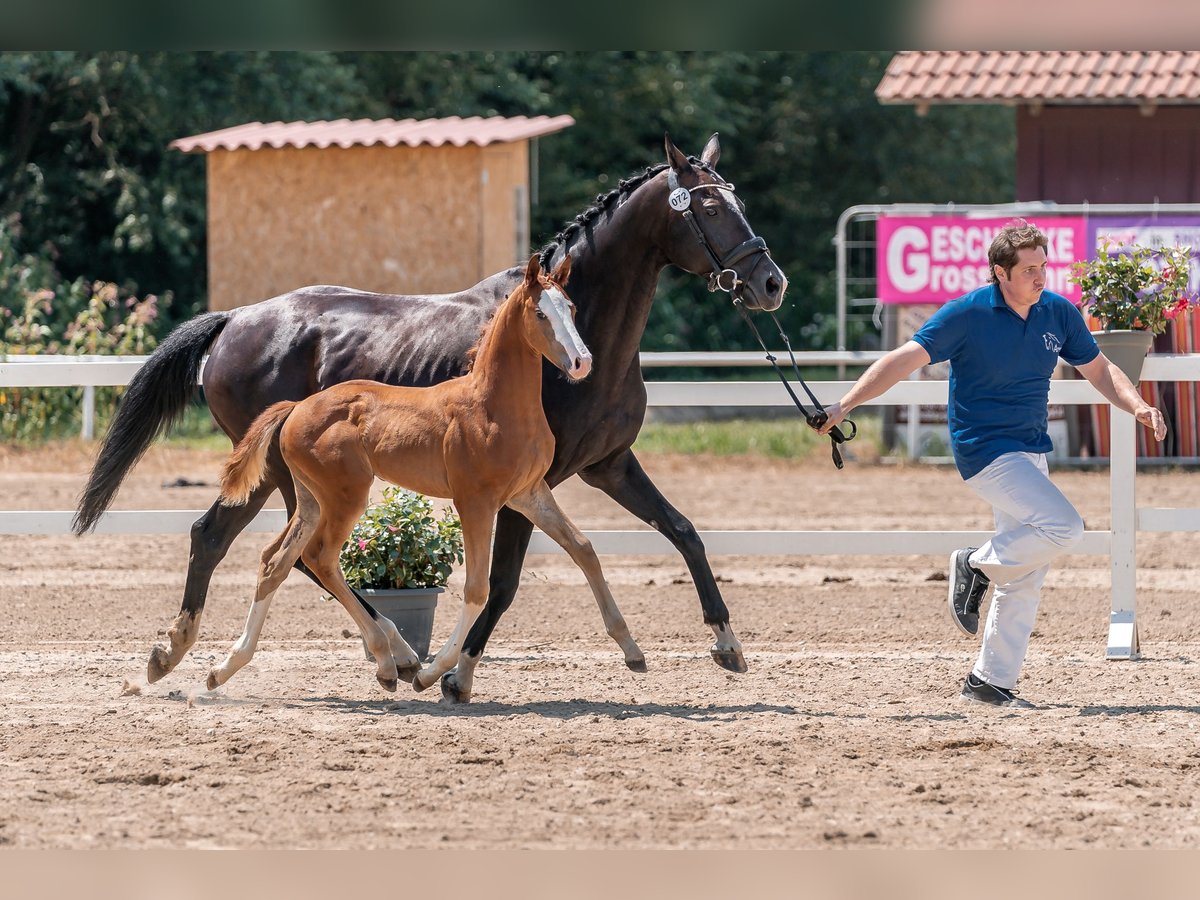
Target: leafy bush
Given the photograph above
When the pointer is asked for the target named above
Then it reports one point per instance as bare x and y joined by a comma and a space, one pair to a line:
398, 543
41, 314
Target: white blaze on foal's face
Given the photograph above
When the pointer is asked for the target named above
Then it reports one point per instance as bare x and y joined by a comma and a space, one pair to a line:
577, 359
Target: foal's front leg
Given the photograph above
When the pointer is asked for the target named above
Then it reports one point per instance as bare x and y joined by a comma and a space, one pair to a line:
540, 507
477, 521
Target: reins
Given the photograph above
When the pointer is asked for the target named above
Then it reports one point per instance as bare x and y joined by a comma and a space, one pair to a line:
680, 200
817, 417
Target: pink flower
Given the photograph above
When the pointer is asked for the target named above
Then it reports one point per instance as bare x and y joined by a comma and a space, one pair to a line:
362, 544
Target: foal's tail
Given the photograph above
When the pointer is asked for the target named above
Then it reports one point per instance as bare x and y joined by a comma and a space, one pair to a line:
247, 464
155, 399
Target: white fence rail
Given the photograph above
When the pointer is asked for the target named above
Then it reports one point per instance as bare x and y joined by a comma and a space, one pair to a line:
1119, 542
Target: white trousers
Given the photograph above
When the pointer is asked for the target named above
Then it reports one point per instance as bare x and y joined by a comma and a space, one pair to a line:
1034, 524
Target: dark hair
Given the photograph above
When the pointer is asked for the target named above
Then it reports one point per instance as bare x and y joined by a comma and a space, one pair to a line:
1017, 235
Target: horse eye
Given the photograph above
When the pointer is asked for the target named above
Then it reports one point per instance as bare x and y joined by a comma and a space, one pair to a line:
711, 210
540, 314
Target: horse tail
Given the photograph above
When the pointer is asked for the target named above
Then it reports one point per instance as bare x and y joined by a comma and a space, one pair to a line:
154, 400
247, 464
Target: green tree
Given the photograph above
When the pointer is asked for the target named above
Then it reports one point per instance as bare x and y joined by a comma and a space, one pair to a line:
86, 177
87, 182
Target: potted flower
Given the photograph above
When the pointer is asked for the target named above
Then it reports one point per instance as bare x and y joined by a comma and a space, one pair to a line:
399, 557
1134, 291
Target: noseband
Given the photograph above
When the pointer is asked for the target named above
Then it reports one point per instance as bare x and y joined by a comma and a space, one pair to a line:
724, 278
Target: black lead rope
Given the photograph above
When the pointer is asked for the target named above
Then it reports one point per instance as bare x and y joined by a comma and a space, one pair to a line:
819, 416
723, 277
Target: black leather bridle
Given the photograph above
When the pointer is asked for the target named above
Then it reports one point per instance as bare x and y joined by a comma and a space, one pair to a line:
724, 278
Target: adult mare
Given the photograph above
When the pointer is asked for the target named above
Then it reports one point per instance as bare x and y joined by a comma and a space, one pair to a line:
680, 213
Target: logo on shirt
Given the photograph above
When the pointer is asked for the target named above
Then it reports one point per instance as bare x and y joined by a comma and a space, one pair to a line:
1053, 344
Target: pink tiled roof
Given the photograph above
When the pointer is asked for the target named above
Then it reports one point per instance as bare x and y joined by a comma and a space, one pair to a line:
368, 132
1048, 76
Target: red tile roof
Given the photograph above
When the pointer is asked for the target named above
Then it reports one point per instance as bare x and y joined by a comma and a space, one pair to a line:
1047, 76
368, 132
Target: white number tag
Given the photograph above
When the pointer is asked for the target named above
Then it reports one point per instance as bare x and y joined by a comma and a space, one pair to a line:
680, 199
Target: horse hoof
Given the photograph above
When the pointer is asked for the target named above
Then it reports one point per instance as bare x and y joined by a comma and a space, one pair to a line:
451, 692
212, 682
158, 666
408, 673
729, 659
636, 665
388, 684
418, 684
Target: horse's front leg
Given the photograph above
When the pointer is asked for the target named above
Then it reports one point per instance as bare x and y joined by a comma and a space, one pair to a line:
477, 518
621, 477
508, 553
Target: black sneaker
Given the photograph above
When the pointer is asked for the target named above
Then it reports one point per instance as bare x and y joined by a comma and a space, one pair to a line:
978, 691
967, 587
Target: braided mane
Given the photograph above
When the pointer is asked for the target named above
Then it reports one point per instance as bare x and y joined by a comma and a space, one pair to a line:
606, 202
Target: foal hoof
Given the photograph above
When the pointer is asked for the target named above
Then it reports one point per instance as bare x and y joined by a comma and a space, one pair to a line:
388, 684
418, 684
158, 666
451, 692
212, 684
636, 665
733, 660
408, 673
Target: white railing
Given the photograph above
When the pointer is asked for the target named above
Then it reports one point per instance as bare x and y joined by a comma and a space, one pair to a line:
1119, 543
92, 371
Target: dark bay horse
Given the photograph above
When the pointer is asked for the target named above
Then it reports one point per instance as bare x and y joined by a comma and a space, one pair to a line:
682, 213
481, 440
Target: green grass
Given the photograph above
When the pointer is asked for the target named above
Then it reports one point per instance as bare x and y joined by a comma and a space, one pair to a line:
197, 431
786, 438
774, 438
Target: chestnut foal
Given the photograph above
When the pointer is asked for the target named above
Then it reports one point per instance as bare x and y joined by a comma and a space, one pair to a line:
480, 440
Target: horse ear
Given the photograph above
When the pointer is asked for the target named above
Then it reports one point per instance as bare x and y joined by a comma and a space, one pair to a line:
675, 156
562, 271
533, 270
712, 151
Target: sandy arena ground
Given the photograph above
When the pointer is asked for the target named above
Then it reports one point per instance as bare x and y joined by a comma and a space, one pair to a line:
847, 731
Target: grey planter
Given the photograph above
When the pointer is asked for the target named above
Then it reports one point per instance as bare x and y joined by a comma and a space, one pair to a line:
1127, 349
411, 609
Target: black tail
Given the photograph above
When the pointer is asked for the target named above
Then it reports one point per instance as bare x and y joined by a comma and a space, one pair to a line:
155, 399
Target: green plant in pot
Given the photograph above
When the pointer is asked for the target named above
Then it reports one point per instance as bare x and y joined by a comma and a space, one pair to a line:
1134, 291
399, 557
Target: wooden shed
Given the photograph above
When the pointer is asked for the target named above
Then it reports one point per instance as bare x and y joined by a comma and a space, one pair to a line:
399, 206
1096, 126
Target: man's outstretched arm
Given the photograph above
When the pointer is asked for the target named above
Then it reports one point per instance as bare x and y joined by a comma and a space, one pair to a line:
883, 374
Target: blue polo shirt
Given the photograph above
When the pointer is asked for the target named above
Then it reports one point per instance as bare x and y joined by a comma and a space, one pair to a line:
1000, 368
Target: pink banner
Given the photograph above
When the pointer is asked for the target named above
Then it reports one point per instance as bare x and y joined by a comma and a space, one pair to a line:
932, 259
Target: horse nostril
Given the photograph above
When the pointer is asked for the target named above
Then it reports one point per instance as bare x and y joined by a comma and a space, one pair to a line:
772, 287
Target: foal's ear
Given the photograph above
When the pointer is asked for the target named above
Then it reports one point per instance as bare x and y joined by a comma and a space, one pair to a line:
562, 271
712, 151
675, 156
533, 270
